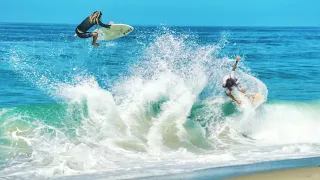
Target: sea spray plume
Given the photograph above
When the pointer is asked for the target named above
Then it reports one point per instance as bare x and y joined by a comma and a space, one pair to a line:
102, 120
171, 74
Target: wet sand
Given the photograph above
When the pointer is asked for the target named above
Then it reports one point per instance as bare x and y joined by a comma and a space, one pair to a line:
309, 173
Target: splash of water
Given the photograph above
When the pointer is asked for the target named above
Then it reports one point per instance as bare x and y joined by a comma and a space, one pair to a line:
168, 112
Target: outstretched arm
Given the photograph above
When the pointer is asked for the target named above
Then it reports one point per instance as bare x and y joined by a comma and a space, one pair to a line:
104, 25
235, 64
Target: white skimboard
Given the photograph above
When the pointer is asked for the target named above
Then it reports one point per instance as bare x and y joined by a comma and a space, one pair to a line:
255, 99
114, 32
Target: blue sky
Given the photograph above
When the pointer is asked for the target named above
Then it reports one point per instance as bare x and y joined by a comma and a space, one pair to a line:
168, 12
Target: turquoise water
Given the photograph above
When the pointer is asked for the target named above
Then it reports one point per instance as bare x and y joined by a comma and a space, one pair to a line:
151, 103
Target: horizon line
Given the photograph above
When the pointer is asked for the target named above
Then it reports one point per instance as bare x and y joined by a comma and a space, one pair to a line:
153, 25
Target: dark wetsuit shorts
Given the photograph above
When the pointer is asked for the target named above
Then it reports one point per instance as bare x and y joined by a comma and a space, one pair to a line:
84, 35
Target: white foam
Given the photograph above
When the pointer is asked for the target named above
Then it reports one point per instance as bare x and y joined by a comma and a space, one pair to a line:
285, 124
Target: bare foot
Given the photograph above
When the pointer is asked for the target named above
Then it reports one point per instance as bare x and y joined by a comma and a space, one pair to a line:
95, 44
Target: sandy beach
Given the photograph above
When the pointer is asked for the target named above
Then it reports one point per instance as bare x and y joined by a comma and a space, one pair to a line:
309, 173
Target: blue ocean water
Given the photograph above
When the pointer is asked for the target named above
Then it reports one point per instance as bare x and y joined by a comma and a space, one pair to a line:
153, 100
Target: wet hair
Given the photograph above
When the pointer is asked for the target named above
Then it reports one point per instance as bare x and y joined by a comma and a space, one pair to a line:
95, 16
98, 13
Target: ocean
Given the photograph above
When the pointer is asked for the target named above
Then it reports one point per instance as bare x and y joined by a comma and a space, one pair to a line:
151, 104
